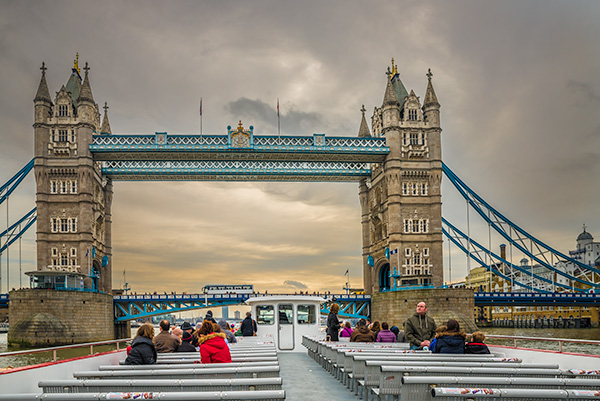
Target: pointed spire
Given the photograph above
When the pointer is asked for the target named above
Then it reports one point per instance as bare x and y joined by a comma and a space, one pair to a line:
390, 95
430, 97
43, 94
86, 90
364, 128
105, 128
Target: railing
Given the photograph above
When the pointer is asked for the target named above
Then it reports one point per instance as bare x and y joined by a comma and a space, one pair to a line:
560, 341
64, 347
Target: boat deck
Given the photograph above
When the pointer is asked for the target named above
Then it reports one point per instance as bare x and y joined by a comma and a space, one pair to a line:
304, 379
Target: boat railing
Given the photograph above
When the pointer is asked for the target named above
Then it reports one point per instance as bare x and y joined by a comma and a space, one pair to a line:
64, 347
560, 341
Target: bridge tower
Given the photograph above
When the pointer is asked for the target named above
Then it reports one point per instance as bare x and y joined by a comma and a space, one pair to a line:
401, 204
73, 199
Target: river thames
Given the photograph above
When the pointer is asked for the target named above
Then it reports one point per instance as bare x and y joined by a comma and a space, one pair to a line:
585, 334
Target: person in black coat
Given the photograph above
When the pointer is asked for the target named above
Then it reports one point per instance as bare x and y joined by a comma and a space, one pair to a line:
142, 351
248, 326
476, 346
186, 345
452, 341
333, 323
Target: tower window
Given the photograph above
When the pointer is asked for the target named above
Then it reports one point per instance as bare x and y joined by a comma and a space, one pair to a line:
415, 226
407, 252
53, 187
64, 261
62, 135
63, 110
64, 225
412, 115
54, 222
54, 251
73, 225
405, 188
74, 186
63, 187
414, 139
407, 225
73, 252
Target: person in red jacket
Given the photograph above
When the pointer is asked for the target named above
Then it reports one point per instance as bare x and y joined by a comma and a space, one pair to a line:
213, 348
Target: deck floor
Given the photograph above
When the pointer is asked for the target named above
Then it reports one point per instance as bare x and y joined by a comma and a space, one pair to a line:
304, 379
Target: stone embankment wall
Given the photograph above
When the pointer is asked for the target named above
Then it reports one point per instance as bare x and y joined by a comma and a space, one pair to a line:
395, 307
49, 317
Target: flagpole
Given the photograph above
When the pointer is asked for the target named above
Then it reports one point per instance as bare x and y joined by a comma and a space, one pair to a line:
278, 121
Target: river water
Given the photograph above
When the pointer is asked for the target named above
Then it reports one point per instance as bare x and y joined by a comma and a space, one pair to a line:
585, 334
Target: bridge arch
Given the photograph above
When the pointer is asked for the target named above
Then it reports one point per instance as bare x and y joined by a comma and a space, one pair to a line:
383, 275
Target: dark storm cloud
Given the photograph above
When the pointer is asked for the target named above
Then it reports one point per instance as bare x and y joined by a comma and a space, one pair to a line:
295, 284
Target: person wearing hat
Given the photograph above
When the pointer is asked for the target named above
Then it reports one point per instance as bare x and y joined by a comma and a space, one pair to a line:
225, 327
209, 317
186, 327
186, 345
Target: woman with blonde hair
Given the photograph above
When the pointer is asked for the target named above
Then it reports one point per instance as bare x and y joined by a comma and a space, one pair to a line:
142, 351
333, 323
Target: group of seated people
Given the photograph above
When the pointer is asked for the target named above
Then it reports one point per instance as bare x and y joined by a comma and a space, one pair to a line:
448, 339
210, 338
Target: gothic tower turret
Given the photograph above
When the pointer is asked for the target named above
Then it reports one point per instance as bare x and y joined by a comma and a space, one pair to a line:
73, 199
402, 237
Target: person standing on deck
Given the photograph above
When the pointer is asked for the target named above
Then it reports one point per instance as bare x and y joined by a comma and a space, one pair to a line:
248, 326
333, 323
165, 342
419, 329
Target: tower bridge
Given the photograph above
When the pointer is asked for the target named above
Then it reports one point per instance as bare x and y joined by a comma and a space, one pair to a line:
397, 164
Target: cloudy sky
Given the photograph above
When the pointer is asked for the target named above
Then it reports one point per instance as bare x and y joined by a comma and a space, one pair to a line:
518, 83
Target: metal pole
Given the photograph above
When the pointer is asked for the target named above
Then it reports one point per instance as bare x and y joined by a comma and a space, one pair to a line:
449, 264
468, 246
490, 251
20, 260
7, 251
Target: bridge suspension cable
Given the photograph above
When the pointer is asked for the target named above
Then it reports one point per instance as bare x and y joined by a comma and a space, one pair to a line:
13, 183
15, 231
536, 249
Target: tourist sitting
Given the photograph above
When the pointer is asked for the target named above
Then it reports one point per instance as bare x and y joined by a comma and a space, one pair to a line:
165, 341
225, 327
213, 348
375, 328
476, 346
346, 330
438, 333
451, 341
385, 335
362, 333
398, 333
142, 351
186, 345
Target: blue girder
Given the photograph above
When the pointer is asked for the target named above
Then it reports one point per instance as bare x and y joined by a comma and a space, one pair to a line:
129, 307
213, 157
536, 298
7, 188
542, 249
15, 231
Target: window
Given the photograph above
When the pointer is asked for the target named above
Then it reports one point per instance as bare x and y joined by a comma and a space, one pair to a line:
74, 186
54, 251
62, 135
64, 261
53, 187
73, 261
54, 222
407, 251
72, 139
63, 110
424, 188
417, 259
73, 252
73, 224
414, 139
64, 225
63, 187
406, 225
423, 227
286, 314
306, 314
414, 190
412, 115
405, 139
405, 188
265, 314
415, 226
425, 251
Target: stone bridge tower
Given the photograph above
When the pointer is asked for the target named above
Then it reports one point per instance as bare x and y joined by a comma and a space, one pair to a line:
73, 199
401, 203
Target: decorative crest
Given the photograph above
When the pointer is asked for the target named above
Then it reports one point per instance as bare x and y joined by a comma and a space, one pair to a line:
76, 63
43, 68
429, 74
105, 107
86, 68
362, 109
240, 127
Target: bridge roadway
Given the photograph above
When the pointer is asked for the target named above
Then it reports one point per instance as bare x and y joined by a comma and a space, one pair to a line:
129, 307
